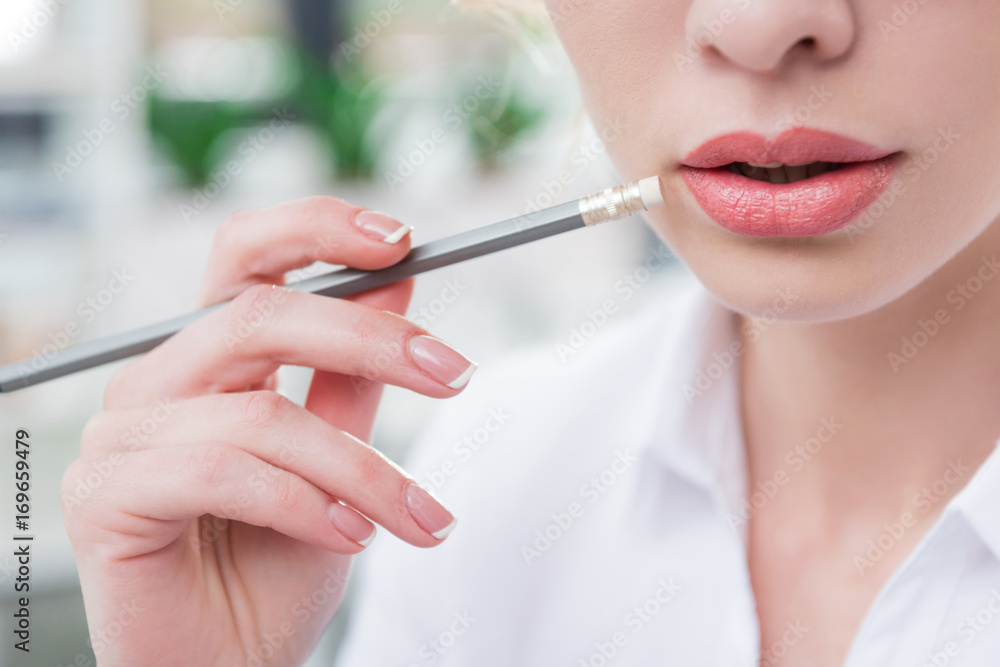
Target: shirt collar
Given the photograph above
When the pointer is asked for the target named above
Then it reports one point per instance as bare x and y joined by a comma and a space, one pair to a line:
688, 415
688, 406
979, 501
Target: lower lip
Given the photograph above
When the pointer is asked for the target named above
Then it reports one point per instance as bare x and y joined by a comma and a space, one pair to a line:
811, 207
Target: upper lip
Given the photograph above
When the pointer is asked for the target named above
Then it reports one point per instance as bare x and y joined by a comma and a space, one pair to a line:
797, 145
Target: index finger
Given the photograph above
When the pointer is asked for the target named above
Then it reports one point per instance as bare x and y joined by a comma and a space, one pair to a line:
260, 246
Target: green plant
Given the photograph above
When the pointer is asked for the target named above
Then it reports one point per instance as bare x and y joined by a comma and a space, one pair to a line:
187, 130
498, 124
341, 102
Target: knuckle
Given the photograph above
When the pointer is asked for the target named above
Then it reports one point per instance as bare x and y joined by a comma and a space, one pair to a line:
320, 208
286, 494
255, 301
73, 473
376, 329
366, 331
228, 233
260, 409
84, 487
95, 433
209, 464
371, 468
231, 240
255, 308
67, 490
327, 240
119, 387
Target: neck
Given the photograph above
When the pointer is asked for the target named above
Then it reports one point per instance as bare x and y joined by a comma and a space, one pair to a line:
870, 410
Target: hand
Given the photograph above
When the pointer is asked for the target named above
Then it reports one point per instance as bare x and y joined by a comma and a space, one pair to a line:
224, 522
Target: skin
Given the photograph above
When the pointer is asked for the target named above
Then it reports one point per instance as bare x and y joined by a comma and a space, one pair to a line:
151, 548
857, 292
856, 296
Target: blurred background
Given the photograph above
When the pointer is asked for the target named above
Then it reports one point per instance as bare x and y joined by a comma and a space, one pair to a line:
130, 128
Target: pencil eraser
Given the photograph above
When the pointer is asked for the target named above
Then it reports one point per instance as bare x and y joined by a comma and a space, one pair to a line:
649, 190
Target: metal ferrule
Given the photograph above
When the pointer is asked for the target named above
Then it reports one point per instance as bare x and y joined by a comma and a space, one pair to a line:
611, 204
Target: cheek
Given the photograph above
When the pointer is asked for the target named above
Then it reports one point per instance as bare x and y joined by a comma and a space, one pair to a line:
623, 52
928, 89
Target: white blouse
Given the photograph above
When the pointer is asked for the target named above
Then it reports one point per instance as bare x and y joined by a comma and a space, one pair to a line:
599, 501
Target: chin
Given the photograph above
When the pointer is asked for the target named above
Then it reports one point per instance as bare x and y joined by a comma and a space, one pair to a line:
794, 280
793, 297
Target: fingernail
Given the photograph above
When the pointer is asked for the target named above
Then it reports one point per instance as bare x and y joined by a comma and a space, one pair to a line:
428, 513
351, 525
441, 361
381, 227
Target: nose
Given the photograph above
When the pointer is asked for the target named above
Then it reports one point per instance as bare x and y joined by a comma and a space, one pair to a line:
760, 35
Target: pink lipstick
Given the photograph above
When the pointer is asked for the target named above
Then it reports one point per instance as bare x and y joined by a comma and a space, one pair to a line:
803, 183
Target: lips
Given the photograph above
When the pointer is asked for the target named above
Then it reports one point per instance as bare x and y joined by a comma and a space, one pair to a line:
741, 181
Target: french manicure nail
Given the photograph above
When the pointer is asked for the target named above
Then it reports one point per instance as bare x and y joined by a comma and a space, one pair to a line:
351, 525
381, 227
441, 361
428, 513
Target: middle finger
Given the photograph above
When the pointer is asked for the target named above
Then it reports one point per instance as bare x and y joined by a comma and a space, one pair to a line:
267, 326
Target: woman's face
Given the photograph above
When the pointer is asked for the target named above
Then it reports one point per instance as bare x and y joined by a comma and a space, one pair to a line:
902, 96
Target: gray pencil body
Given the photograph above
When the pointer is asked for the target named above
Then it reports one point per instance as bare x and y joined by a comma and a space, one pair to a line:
609, 204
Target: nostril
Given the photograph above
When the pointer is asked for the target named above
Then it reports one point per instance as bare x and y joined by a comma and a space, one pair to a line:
807, 47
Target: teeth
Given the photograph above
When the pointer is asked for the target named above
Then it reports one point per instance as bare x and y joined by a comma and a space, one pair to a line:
777, 175
817, 168
796, 173
782, 173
